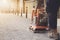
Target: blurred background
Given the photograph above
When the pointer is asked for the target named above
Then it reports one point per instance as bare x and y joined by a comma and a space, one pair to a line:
15, 6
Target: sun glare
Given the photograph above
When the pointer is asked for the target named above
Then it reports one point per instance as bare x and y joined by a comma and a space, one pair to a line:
21, 3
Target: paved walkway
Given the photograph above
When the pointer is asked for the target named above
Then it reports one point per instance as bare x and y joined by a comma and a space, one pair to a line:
13, 27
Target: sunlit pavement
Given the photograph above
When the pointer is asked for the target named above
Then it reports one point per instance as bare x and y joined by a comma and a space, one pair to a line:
13, 27
58, 24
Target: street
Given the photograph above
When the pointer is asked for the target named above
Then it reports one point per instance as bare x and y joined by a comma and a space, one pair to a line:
13, 27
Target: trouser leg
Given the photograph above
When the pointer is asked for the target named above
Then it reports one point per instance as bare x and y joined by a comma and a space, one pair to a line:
52, 19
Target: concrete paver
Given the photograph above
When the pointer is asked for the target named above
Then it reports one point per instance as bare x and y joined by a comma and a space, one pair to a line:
14, 27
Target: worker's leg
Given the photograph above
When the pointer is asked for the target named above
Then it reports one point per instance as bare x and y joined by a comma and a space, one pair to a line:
52, 19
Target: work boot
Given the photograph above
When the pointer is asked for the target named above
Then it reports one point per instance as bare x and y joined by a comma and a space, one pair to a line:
50, 33
56, 36
53, 34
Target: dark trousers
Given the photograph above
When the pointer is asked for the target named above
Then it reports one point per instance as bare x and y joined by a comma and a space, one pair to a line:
52, 20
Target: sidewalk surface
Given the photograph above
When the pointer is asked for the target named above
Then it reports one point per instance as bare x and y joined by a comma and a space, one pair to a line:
13, 27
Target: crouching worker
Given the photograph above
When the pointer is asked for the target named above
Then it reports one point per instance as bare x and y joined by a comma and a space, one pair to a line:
42, 17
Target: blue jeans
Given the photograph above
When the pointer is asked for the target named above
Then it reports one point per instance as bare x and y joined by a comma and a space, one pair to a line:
52, 20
